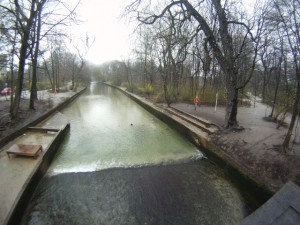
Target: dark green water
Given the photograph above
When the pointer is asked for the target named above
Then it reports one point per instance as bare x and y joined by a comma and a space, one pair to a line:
120, 165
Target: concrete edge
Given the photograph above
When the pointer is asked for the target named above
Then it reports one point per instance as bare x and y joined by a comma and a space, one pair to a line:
16, 213
243, 178
277, 207
19, 132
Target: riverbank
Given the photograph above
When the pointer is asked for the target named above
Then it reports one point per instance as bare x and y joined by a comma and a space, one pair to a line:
254, 148
252, 151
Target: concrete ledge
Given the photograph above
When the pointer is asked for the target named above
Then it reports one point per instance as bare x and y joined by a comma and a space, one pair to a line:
32, 181
282, 208
22, 199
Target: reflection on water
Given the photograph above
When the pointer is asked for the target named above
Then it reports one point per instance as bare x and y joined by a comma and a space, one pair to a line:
110, 130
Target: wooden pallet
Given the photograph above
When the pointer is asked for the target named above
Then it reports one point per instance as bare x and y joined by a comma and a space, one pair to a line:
25, 150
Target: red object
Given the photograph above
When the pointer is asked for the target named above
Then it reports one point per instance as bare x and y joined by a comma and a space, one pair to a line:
6, 91
196, 100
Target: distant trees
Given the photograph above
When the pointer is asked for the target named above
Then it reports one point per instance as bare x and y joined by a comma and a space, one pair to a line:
29, 22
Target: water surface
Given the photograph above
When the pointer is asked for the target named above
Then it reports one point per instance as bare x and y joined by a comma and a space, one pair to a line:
121, 165
109, 130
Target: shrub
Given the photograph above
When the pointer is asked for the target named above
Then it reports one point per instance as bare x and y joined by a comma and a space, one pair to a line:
186, 94
125, 85
149, 89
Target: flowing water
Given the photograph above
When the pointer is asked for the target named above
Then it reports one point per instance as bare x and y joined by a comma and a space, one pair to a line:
121, 165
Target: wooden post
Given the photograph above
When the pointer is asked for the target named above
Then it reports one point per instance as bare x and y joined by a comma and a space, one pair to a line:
216, 102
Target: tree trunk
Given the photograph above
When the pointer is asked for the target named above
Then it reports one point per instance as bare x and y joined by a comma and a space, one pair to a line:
231, 107
20, 78
12, 70
33, 90
278, 75
288, 136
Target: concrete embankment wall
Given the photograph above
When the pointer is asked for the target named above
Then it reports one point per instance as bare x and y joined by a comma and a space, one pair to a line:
37, 174
244, 180
17, 211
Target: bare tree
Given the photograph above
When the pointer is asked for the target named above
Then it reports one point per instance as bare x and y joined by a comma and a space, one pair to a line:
288, 20
218, 33
28, 20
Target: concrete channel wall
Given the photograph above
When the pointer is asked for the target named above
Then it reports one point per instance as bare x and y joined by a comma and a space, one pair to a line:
244, 180
17, 210
37, 174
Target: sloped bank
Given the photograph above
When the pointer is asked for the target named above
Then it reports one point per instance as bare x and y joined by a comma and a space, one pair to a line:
243, 179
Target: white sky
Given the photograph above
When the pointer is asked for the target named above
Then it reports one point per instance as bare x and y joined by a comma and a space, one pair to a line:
111, 33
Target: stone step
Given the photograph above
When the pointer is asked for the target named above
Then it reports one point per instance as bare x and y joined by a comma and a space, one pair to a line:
200, 123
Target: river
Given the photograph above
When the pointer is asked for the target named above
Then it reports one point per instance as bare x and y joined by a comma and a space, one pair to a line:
121, 165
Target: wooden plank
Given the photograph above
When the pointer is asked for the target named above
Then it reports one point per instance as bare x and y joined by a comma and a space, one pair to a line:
43, 129
25, 150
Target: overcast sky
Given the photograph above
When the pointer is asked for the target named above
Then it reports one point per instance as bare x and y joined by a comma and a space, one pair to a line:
102, 21
112, 34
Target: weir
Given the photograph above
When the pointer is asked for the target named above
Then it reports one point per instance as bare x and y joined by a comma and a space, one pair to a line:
121, 165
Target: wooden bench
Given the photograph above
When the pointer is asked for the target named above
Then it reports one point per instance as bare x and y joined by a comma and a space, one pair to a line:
25, 150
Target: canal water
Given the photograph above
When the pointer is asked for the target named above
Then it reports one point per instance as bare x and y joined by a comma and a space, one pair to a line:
121, 165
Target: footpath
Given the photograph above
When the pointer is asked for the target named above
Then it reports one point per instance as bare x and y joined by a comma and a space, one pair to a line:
255, 148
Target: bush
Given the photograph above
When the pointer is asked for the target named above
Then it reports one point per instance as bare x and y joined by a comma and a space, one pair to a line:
125, 85
149, 89
186, 94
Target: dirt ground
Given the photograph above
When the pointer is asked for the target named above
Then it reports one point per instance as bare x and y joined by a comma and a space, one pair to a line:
255, 147
46, 102
26, 115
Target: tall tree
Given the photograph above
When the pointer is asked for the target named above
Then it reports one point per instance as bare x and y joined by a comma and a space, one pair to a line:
36, 38
218, 33
288, 21
26, 24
